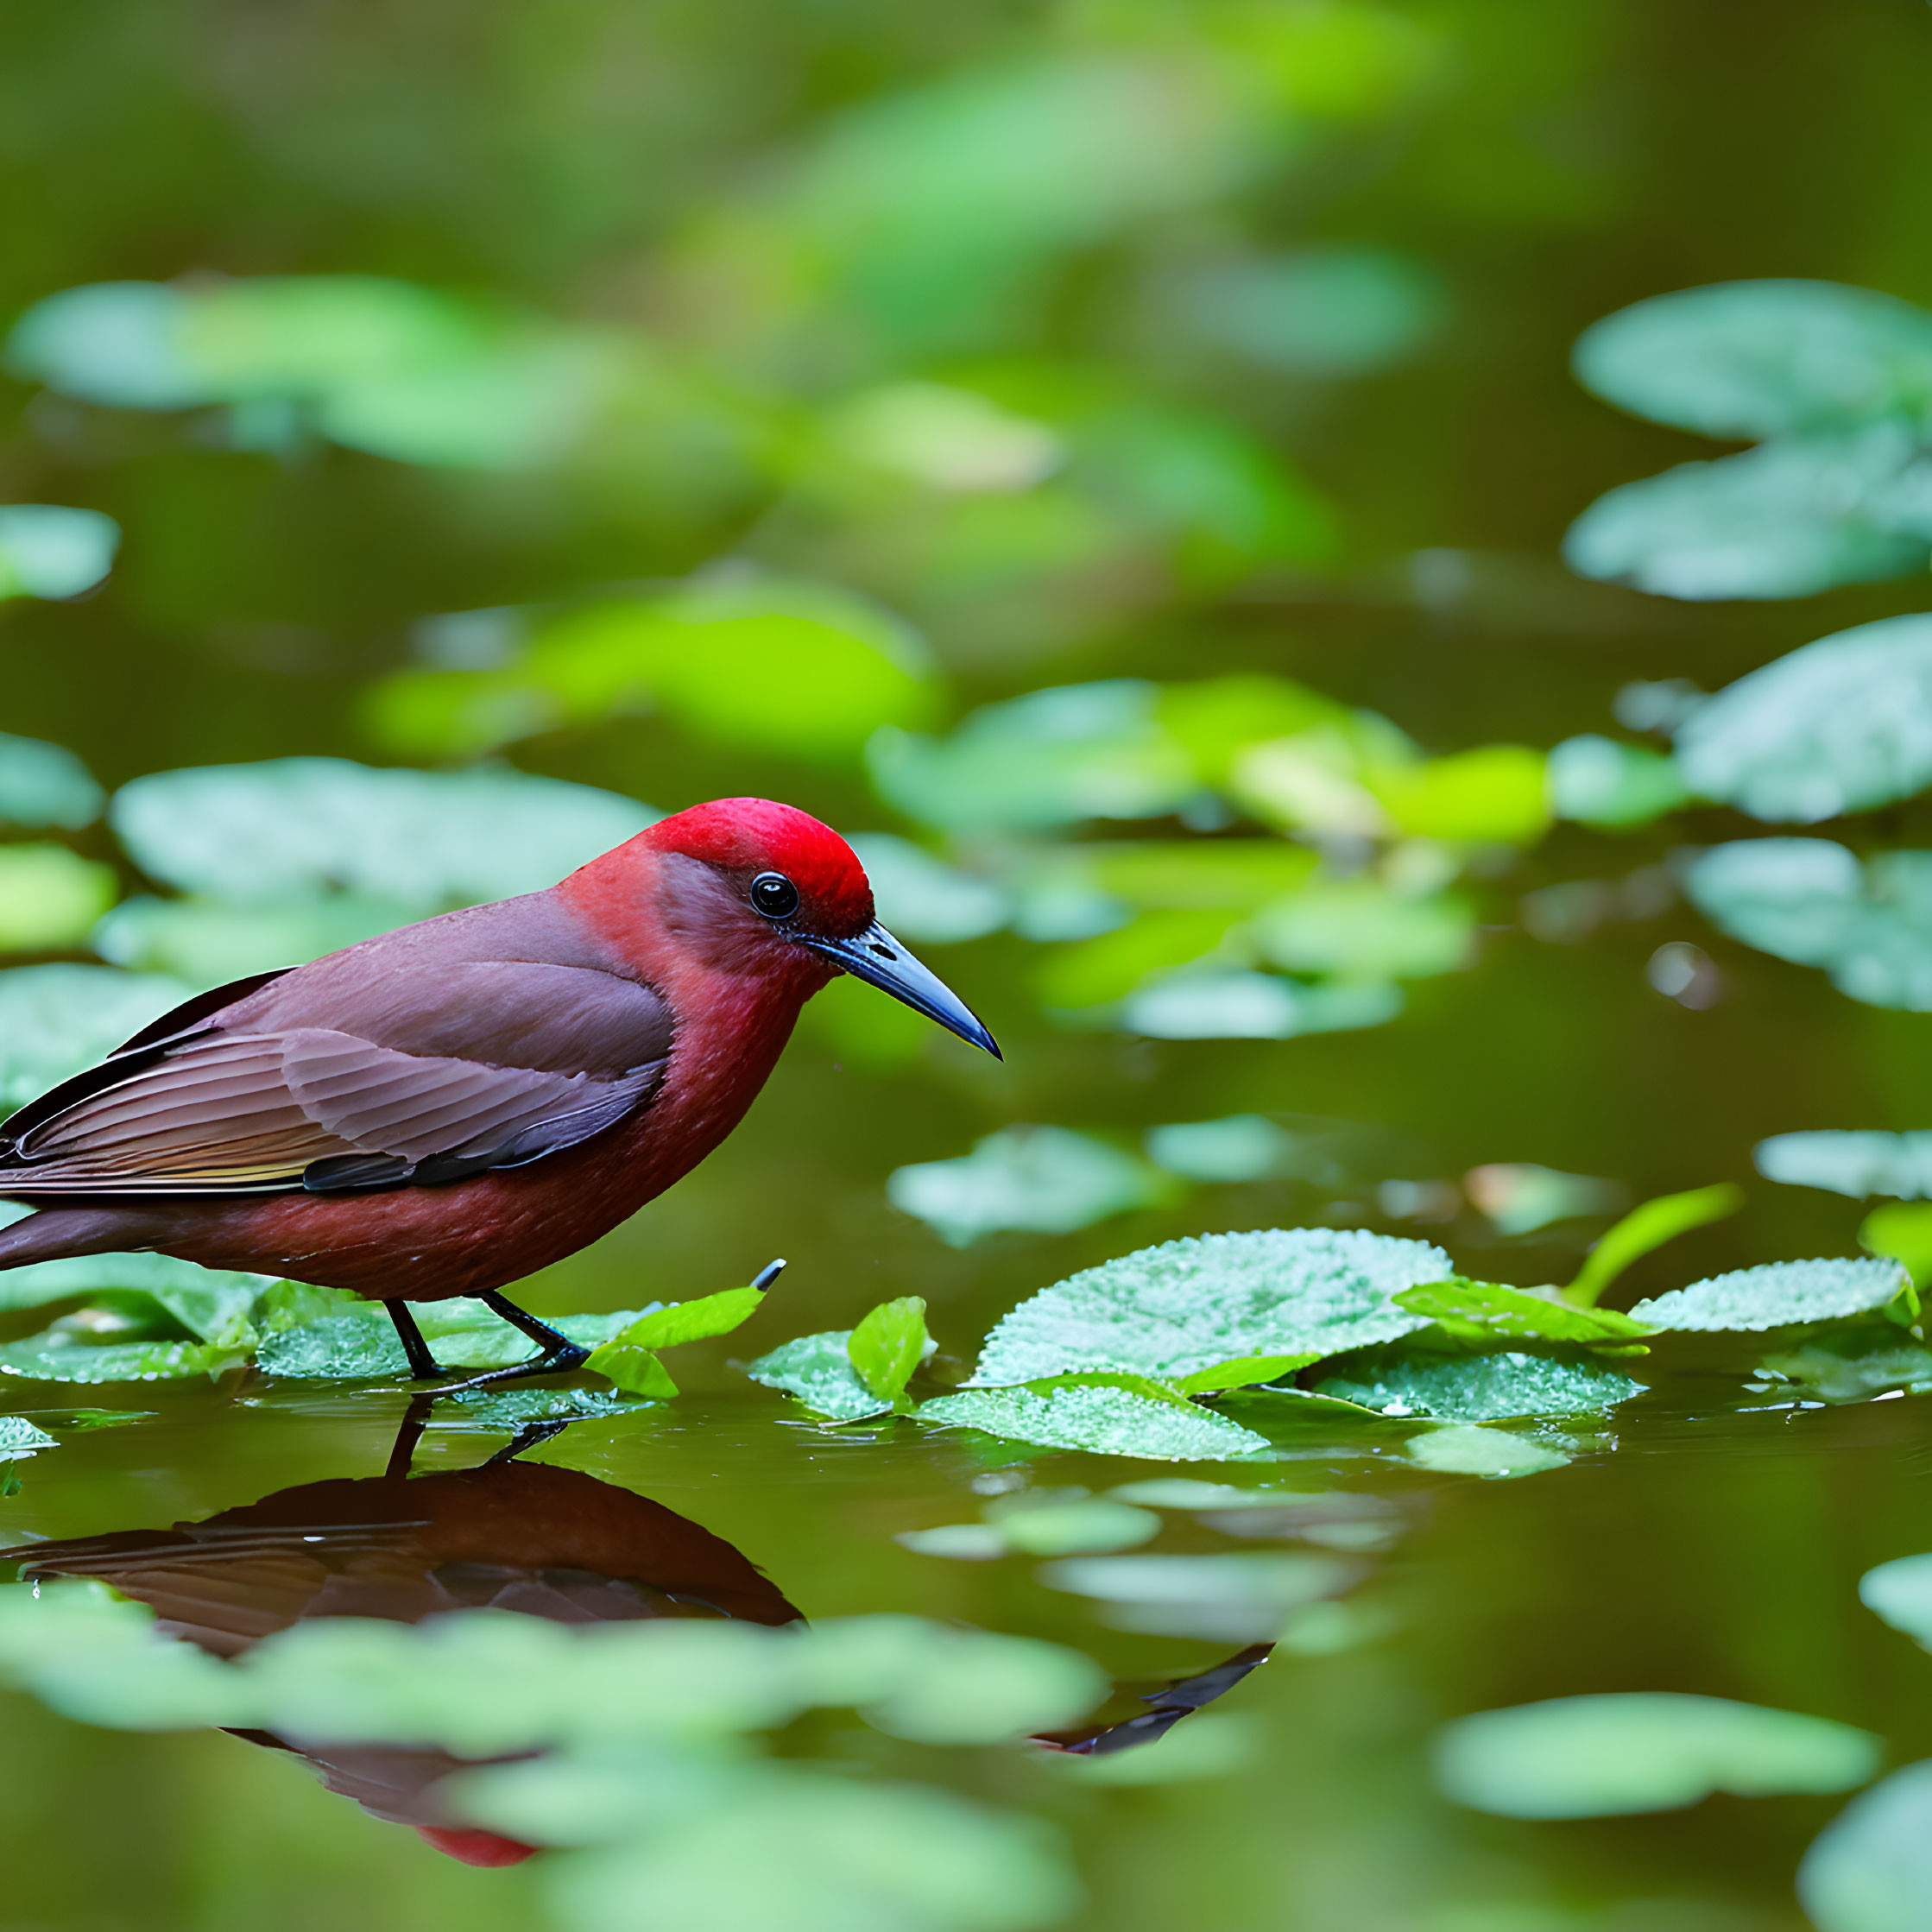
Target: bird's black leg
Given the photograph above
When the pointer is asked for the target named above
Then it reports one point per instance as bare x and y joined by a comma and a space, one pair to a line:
560, 1354
423, 1365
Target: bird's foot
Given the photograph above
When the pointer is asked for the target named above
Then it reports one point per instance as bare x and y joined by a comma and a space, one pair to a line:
554, 1361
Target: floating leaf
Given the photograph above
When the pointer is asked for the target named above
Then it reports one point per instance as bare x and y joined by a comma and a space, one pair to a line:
1853, 1364
1648, 1226
1236, 1598
1787, 520
971, 1543
75, 1421
1358, 928
1039, 1525
1779, 1295
1190, 1492
1196, 1304
1752, 359
1519, 1196
1495, 792
48, 551
817, 1370
1233, 1004
461, 1333
19, 1437
1811, 902
636, 1371
1242, 1147
1108, 1421
511, 1410
1042, 1179
1642, 1751
1243, 1374
1853, 1163
1480, 1308
1488, 1387
1870, 1869
693, 1321
1599, 781
1900, 1592
1901, 1230
887, 1345
56, 1020
1202, 874
50, 897
218, 1306
1051, 758
42, 784
1464, 1449
288, 827
121, 1361
1841, 725
919, 897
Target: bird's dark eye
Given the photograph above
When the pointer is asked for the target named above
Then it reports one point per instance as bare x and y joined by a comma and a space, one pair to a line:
774, 895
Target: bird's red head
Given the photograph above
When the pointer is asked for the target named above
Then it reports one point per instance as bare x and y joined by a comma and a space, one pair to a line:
774, 852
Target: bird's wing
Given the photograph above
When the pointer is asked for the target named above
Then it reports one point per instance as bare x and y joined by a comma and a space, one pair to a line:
263, 1109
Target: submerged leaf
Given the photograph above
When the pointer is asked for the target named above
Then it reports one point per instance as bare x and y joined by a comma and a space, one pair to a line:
1109, 1421
1648, 1226
817, 1370
1474, 1388
887, 1345
1196, 1304
1642, 1751
1484, 1308
1779, 1295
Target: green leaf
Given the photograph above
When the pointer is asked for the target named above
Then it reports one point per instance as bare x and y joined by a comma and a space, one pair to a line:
1198, 1304
1237, 1598
919, 897
1900, 1593
19, 1437
1489, 1388
1870, 1869
637, 1370
1853, 1163
35, 1360
887, 1345
1190, 1492
1646, 1227
693, 1321
43, 784
1243, 1374
1853, 1364
1358, 929
50, 897
1482, 1308
1242, 1147
1901, 1230
1836, 727
1746, 360
1146, 1386
74, 1420
48, 550
461, 1333
1809, 901
1599, 781
54, 1020
1232, 1003
510, 1410
1040, 1526
1463, 1449
817, 1370
208, 943
1642, 1751
1785, 521
1780, 1294
1041, 1179
297, 828
1493, 792
1108, 1421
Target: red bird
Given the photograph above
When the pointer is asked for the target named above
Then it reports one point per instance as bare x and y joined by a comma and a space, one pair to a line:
445, 1108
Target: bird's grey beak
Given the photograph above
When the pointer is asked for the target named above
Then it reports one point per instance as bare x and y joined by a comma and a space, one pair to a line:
879, 959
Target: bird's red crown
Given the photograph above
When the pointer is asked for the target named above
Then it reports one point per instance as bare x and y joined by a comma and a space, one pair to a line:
759, 835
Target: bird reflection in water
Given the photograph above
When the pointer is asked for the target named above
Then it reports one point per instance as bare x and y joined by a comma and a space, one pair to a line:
527, 1538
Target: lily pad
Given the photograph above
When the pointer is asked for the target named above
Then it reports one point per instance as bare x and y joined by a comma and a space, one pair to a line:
290, 828
48, 550
116, 1362
1108, 1421
1233, 1003
1642, 1751
43, 784
1853, 1364
1856, 1163
1870, 1869
1237, 1598
1486, 1387
1841, 725
1046, 1180
1196, 1303
1778, 1295
1241, 1148
1462, 1449
817, 1370
217, 1304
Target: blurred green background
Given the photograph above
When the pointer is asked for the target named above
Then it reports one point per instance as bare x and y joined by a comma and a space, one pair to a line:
767, 398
